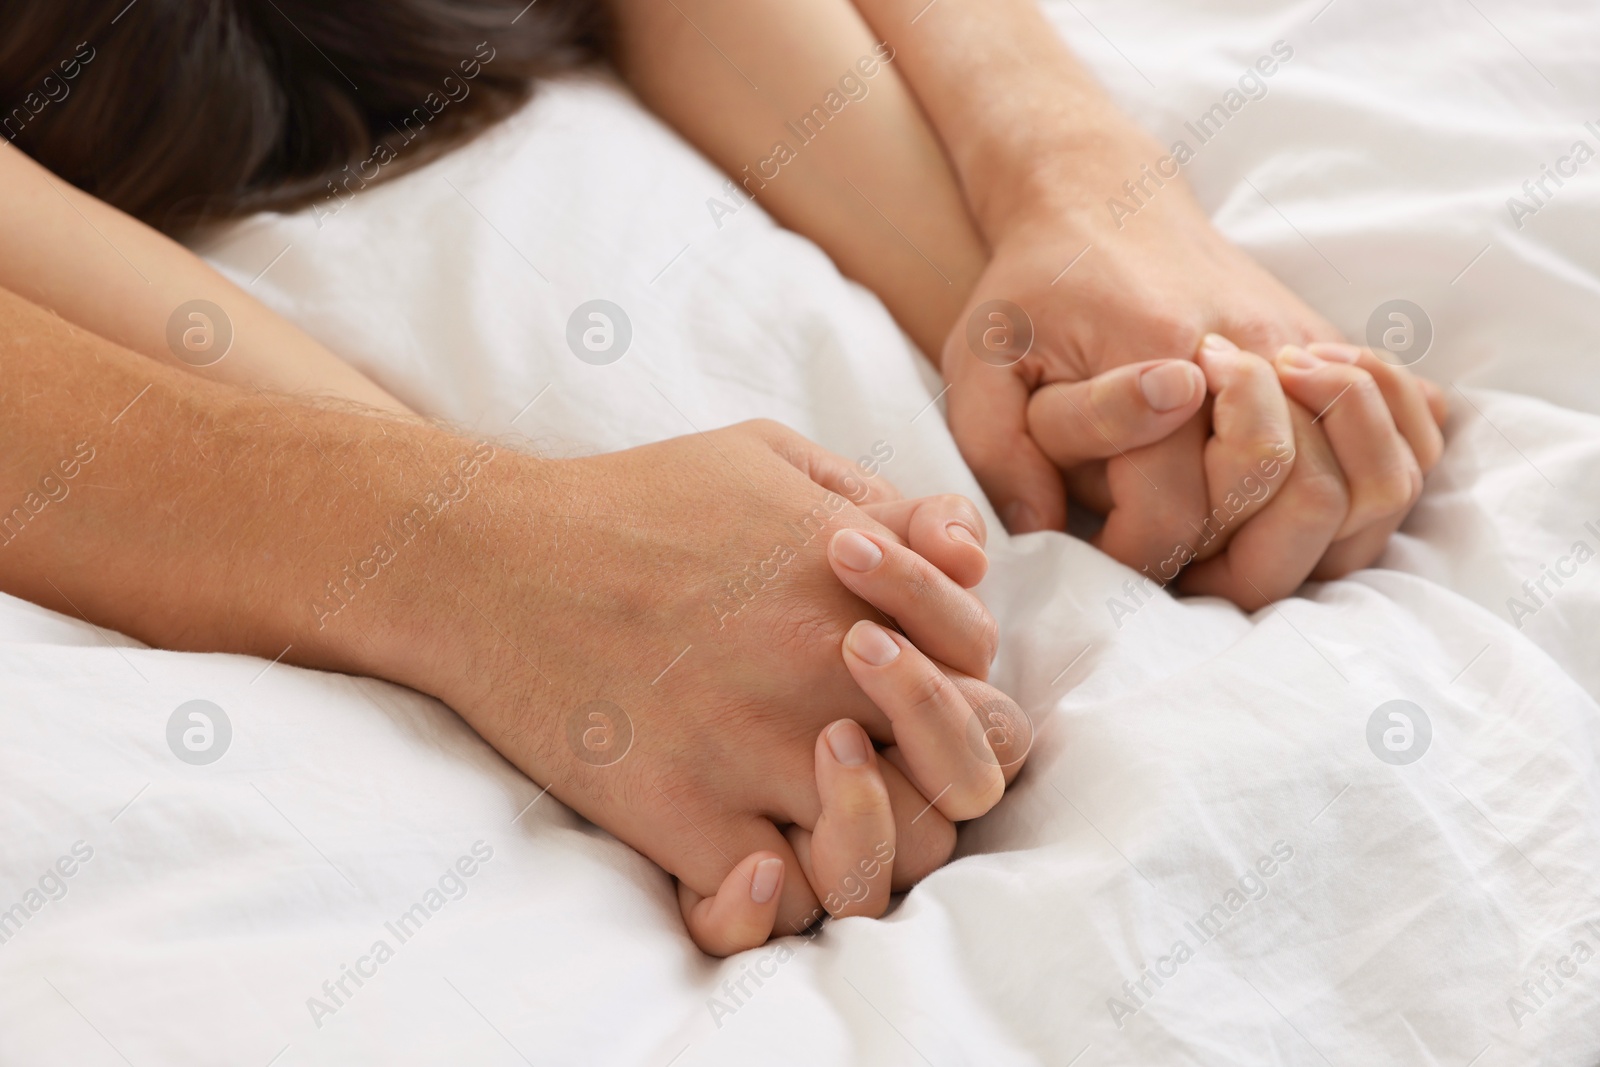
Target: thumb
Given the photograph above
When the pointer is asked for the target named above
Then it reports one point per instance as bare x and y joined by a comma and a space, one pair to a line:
1124, 408
988, 416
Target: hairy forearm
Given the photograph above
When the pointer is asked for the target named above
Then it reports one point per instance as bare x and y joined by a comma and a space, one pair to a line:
1015, 109
115, 276
861, 172
199, 516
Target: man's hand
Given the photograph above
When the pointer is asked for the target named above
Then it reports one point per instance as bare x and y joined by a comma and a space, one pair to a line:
1040, 151
850, 857
656, 634
1098, 292
1096, 298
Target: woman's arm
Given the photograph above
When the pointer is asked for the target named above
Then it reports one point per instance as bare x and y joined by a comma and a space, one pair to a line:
804, 108
116, 277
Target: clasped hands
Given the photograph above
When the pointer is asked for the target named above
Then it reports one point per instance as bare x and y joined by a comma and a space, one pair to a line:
1229, 436
1233, 442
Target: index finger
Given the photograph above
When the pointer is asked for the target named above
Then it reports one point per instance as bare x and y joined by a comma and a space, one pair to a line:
948, 531
1251, 432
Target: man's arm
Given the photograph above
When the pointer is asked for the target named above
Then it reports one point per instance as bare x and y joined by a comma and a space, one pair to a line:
530, 595
189, 514
1045, 158
1014, 108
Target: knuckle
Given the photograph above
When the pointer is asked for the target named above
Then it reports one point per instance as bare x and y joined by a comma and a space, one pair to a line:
802, 627
1257, 375
1322, 492
986, 636
1172, 335
1364, 389
1170, 517
1414, 487
1401, 489
770, 427
1431, 450
928, 692
1256, 334
999, 723
863, 803
1259, 592
917, 579
1395, 491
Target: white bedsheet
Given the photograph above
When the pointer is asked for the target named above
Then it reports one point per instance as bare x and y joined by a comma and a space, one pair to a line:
1406, 905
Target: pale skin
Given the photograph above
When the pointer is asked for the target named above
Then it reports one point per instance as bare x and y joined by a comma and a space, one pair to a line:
1029, 149
96, 269
526, 589
100, 291
838, 813
114, 276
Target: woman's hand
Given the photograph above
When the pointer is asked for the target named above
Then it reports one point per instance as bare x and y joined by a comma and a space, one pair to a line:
958, 730
1313, 462
656, 635
1155, 286
1149, 291
958, 742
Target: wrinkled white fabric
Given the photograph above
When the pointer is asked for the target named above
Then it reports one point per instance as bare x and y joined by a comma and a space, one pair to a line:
1202, 818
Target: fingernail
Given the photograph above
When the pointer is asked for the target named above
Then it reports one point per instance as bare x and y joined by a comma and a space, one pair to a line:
1020, 517
847, 743
960, 533
1169, 386
1298, 358
1337, 351
764, 882
1216, 343
856, 551
871, 643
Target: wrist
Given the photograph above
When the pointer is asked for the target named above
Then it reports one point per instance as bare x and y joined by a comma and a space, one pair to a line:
1064, 167
434, 559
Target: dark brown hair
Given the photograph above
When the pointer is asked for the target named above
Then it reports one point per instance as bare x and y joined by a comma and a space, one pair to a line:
182, 112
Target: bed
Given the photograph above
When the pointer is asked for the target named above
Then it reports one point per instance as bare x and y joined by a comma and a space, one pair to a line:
1361, 826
